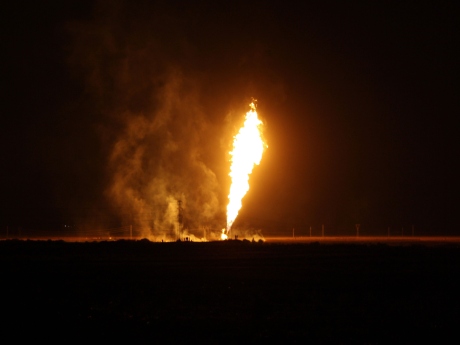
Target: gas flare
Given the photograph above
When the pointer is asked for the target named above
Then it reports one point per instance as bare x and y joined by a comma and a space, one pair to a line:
248, 147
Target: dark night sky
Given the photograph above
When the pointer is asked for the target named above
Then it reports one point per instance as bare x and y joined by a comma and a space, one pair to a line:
360, 102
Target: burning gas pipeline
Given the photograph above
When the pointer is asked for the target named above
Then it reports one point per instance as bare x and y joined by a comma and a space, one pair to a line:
248, 147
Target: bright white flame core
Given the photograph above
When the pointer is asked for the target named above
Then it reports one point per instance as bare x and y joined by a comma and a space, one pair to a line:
248, 147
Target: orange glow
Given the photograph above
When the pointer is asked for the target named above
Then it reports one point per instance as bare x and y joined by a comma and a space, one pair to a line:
248, 147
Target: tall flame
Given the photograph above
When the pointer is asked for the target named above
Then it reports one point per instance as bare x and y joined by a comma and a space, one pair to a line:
248, 147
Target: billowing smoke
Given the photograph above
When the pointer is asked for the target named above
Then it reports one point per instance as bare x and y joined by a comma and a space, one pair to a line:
160, 142
157, 161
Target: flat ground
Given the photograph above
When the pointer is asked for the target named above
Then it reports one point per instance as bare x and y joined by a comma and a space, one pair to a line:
223, 292
390, 240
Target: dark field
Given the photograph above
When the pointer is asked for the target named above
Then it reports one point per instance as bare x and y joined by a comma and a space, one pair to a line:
223, 292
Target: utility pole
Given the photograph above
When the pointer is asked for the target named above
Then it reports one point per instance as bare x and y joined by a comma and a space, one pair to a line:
357, 229
322, 230
293, 233
310, 230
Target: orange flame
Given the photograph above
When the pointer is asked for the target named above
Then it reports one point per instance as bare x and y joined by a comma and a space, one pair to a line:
248, 147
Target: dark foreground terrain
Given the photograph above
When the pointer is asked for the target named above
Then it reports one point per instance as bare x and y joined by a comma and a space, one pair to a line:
143, 292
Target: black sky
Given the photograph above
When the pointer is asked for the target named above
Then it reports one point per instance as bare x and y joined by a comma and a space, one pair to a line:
360, 102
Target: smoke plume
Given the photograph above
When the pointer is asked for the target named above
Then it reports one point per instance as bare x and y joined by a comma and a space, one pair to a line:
160, 142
